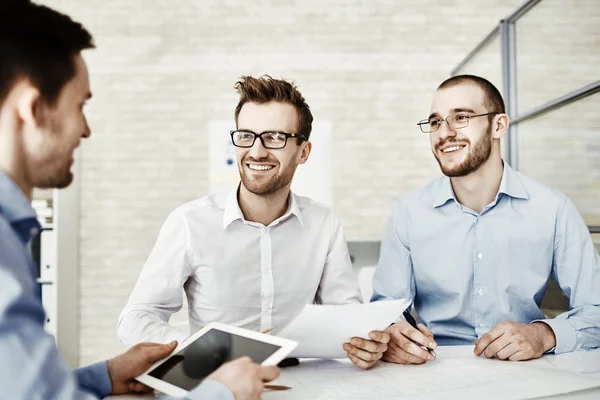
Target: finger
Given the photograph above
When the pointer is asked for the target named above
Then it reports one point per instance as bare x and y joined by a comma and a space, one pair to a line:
362, 354
368, 345
398, 355
484, 341
401, 341
508, 351
416, 336
138, 387
497, 345
268, 373
425, 330
360, 363
380, 336
519, 356
414, 349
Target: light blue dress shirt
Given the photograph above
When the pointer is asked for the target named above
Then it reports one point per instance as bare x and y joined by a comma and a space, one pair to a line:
466, 272
31, 367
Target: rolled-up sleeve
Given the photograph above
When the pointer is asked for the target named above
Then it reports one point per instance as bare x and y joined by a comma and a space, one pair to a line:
576, 268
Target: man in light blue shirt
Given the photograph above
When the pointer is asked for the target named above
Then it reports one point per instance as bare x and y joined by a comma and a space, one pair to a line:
43, 87
475, 248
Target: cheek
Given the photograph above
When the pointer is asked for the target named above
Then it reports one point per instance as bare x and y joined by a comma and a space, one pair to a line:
240, 154
433, 140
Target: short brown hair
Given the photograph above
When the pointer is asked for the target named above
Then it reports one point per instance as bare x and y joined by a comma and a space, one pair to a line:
492, 98
265, 89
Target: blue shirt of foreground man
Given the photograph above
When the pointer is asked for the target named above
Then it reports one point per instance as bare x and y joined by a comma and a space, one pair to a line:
43, 87
475, 248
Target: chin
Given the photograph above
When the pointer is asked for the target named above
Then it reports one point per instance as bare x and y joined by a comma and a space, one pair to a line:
56, 182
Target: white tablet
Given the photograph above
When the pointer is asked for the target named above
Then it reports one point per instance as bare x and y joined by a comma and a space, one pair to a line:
206, 350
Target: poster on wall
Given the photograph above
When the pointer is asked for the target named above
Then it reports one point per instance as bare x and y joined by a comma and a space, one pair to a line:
313, 179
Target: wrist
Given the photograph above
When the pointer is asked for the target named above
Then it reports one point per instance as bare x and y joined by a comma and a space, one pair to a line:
547, 335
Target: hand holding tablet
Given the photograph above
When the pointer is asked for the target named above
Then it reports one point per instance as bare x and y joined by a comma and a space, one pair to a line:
210, 348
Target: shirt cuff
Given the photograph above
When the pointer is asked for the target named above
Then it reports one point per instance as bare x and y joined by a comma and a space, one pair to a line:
95, 379
211, 389
566, 337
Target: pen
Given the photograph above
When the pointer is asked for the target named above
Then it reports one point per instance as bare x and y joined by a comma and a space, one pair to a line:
277, 387
409, 318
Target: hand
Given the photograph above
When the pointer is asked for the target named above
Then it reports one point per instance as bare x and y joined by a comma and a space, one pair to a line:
366, 353
245, 378
515, 341
124, 368
405, 344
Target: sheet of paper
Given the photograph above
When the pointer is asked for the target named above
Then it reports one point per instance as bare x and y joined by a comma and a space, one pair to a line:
322, 330
456, 374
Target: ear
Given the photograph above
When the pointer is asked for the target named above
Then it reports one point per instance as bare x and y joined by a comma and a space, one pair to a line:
27, 99
500, 125
304, 153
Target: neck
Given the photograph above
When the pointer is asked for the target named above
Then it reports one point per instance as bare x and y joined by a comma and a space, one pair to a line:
263, 209
12, 159
479, 188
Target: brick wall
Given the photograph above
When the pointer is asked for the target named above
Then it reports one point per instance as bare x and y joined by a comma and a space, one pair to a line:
164, 69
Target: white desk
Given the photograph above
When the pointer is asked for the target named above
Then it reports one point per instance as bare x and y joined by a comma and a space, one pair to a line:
457, 366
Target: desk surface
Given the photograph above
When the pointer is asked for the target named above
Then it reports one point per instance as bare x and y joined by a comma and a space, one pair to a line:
456, 373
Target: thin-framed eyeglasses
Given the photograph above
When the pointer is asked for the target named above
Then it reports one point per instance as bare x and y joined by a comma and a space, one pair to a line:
270, 140
454, 121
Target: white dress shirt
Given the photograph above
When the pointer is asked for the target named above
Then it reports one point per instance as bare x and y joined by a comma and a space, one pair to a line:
238, 272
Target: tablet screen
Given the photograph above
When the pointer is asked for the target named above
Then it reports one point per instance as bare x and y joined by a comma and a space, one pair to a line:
190, 365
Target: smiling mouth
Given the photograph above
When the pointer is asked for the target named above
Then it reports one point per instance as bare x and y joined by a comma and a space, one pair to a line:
257, 167
452, 149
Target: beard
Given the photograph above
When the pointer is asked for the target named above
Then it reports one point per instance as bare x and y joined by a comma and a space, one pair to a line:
266, 187
53, 169
59, 179
479, 154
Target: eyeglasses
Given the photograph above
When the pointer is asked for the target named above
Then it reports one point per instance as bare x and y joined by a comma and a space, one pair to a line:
270, 140
456, 121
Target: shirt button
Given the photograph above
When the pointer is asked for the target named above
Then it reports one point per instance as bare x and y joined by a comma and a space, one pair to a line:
480, 291
33, 231
481, 325
479, 255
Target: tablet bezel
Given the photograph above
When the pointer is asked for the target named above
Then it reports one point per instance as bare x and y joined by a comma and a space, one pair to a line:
286, 347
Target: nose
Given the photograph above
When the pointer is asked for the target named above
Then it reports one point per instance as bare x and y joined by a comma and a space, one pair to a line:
445, 131
87, 132
258, 151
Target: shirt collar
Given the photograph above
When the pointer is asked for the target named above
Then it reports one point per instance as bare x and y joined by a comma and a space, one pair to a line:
444, 193
510, 185
17, 209
233, 212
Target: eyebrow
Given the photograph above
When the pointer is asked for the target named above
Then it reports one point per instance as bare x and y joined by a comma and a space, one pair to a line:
454, 111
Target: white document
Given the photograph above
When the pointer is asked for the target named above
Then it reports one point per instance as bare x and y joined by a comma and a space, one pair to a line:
322, 330
456, 374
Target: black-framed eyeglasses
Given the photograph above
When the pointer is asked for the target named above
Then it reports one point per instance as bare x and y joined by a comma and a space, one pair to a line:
270, 140
455, 121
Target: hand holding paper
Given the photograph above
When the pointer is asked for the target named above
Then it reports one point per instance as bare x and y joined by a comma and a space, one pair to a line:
322, 330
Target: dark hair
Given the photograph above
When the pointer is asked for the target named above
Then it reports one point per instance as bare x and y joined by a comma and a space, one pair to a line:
39, 44
492, 98
265, 89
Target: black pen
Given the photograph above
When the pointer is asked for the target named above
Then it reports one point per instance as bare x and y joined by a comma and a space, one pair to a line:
409, 318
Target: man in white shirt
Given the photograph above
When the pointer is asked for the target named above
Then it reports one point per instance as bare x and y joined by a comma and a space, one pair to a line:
254, 258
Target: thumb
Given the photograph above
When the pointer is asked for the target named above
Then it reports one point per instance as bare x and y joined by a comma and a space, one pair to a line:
268, 373
160, 351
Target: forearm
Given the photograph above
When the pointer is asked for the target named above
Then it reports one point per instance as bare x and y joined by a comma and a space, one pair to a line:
139, 325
